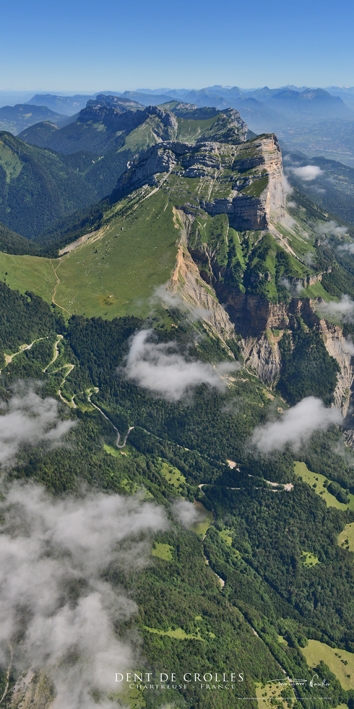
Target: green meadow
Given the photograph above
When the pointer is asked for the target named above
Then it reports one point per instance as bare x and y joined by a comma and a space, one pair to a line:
308, 559
340, 662
163, 551
172, 475
177, 634
317, 482
346, 537
275, 695
112, 274
201, 528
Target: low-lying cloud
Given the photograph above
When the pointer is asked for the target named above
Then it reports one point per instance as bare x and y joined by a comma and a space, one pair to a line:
287, 188
307, 172
186, 513
159, 368
342, 310
348, 346
294, 287
296, 426
27, 420
55, 599
349, 248
172, 299
331, 228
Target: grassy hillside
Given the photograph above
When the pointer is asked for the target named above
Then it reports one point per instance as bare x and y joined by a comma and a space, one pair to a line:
134, 245
113, 273
15, 119
56, 172
37, 187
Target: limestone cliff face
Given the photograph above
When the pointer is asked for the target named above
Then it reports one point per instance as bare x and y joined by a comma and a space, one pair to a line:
262, 355
187, 283
251, 173
252, 315
274, 200
257, 321
337, 347
31, 690
257, 199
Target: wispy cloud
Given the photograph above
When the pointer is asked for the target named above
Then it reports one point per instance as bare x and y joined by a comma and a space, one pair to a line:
28, 420
161, 369
55, 600
342, 310
348, 346
294, 288
171, 299
287, 186
331, 228
186, 513
296, 426
307, 172
346, 247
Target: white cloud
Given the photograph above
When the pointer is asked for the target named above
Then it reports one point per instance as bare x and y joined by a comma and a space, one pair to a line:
295, 288
159, 368
56, 606
331, 228
348, 346
172, 299
186, 513
296, 426
347, 247
167, 297
342, 310
286, 186
288, 222
29, 420
307, 172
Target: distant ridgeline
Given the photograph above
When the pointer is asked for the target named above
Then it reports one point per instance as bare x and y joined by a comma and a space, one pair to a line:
201, 244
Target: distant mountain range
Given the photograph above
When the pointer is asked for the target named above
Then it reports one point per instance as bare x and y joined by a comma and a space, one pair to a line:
302, 117
16, 118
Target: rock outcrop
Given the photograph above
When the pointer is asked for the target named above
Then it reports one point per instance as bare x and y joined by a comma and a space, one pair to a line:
257, 199
32, 689
252, 200
186, 282
262, 355
337, 347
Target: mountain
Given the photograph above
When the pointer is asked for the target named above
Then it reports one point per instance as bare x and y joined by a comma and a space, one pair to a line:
145, 99
66, 105
193, 343
303, 118
74, 167
312, 103
346, 93
15, 119
38, 186
211, 185
12, 243
111, 124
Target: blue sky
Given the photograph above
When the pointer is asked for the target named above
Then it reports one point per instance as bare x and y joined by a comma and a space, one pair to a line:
77, 45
